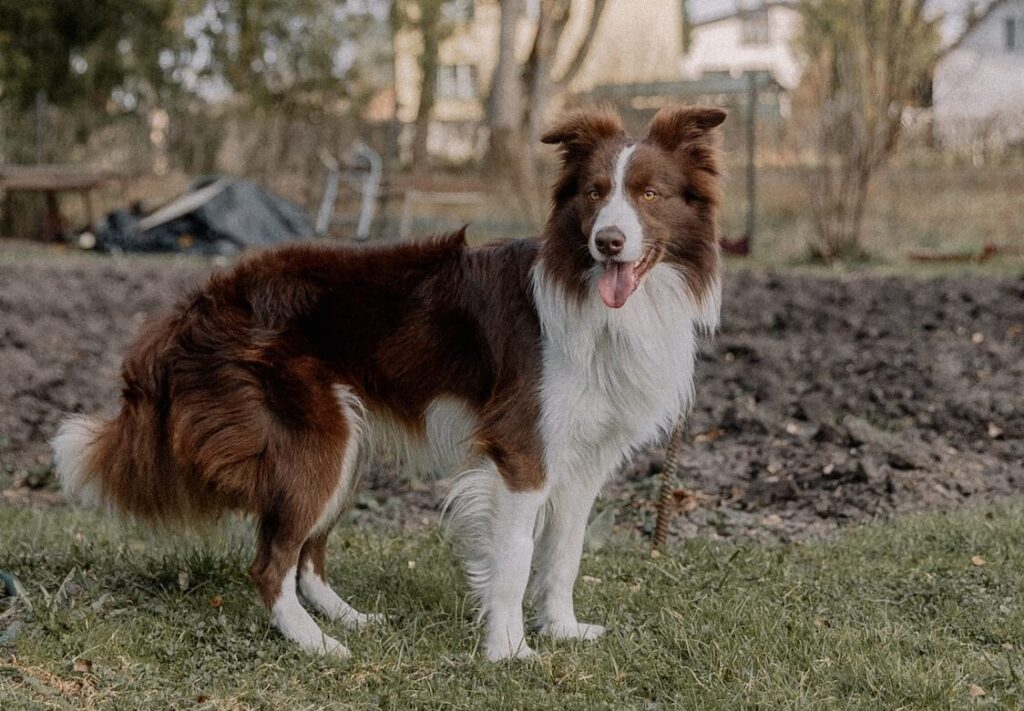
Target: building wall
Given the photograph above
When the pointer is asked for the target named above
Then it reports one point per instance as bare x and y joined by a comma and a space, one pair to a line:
978, 90
719, 46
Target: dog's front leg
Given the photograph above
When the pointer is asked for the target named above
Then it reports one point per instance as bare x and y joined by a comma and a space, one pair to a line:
514, 518
558, 559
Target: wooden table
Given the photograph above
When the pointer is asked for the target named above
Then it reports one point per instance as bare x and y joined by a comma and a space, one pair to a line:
51, 181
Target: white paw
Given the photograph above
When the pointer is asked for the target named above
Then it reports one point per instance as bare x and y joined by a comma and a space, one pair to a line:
358, 620
333, 648
572, 630
325, 645
501, 651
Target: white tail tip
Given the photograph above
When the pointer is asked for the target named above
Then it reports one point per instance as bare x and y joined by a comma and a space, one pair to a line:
71, 457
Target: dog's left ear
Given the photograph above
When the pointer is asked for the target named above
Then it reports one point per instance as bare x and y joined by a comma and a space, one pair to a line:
673, 126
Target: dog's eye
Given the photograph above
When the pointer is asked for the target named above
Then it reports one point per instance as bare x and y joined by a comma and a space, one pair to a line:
593, 194
650, 195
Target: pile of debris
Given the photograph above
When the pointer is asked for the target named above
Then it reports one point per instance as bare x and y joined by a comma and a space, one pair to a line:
217, 216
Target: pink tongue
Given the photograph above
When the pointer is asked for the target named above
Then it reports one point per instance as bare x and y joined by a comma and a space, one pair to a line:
617, 283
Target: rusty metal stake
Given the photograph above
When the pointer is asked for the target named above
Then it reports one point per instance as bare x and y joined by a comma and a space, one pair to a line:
668, 478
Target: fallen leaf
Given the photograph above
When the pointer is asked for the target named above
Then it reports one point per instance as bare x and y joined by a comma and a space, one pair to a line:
591, 579
216, 601
685, 500
183, 580
772, 520
412, 565
977, 561
83, 666
709, 436
977, 691
655, 554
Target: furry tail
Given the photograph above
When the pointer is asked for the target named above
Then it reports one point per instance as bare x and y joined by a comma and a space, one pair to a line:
117, 464
72, 449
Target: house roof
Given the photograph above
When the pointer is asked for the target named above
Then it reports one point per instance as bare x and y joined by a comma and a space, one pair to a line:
705, 12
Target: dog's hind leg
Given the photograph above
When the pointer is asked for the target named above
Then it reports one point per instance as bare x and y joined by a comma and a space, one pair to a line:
275, 571
308, 477
314, 588
312, 560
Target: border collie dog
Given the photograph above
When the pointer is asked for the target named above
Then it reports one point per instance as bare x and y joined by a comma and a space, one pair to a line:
533, 367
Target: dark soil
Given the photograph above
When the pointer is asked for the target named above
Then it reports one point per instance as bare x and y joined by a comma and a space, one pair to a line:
822, 402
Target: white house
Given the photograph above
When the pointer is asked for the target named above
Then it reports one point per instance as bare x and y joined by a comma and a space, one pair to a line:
737, 36
978, 88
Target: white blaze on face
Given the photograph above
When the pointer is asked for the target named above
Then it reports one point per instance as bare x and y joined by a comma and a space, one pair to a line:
618, 281
619, 212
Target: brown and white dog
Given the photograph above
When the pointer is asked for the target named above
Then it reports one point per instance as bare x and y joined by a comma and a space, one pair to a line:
535, 367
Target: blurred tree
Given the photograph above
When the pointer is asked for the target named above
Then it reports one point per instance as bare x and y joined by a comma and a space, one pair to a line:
266, 51
521, 96
428, 19
541, 87
867, 59
76, 53
277, 53
867, 62
505, 101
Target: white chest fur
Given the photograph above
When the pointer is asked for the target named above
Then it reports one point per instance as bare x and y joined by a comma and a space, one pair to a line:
614, 379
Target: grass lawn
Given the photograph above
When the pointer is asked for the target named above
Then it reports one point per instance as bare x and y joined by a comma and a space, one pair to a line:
890, 615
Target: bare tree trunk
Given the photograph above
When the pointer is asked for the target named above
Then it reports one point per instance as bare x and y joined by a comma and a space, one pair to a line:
507, 152
429, 26
505, 103
515, 133
542, 88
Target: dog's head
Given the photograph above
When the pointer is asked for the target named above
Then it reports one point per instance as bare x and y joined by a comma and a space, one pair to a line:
622, 206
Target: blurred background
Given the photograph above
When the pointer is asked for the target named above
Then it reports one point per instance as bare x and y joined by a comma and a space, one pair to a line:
884, 130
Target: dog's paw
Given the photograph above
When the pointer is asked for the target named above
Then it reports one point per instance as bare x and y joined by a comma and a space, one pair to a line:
501, 652
361, 620
327, 646
572, 630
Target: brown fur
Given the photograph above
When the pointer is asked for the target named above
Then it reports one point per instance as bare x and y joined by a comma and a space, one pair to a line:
228, 402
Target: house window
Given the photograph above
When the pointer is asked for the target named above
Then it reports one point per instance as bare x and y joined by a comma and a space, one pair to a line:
458, 11
1010, 33
754, 27
457, 82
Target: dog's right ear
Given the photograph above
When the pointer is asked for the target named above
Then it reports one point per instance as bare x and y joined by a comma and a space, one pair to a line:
581, 131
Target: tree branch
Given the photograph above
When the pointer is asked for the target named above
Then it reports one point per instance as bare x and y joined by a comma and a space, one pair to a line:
581, 52
972, 22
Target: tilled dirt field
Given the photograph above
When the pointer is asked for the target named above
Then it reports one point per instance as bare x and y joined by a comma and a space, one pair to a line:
822, 402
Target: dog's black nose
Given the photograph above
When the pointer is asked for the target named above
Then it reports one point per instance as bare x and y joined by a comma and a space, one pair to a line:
609, 241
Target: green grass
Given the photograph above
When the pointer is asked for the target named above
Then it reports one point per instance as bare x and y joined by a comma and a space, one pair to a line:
887, 616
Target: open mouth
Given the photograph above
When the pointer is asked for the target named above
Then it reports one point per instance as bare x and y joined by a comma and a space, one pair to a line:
619, 280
